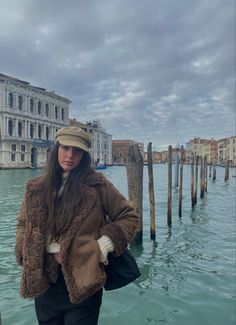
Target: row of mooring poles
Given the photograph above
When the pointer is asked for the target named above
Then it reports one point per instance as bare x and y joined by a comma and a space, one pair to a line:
195, 161
135, 184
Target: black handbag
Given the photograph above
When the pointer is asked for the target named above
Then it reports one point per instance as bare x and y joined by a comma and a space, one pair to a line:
121, 270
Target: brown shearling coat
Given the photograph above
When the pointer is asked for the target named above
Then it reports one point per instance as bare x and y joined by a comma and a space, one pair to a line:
83, 272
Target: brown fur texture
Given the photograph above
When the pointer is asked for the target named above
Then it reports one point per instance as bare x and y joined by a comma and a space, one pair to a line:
83, 273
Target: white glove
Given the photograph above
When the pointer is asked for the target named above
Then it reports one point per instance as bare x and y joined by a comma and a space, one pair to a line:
106, 246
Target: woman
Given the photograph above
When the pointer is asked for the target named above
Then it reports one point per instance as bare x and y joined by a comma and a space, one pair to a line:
62, 239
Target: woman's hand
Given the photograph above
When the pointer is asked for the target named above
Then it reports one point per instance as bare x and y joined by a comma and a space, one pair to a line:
106, 246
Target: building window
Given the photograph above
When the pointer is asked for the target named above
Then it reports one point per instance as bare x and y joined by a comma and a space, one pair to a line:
13, 157
10, 127
39, 107
62, 114
31, 131
22, 157
56, 112
31, 105
13, 147
40, 131
47, 132
10, 100
46, 109
22, 147
20, 102
19, 129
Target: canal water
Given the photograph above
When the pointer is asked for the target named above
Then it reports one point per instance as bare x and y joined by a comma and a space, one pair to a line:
188, 274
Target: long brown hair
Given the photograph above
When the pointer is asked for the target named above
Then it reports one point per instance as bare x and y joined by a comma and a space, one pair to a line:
61, 208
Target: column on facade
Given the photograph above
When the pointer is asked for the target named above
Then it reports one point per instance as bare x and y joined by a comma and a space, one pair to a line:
44, 131
3, 125
36, 130
26, 128
16, 127
14, 101
7, 126
6, 97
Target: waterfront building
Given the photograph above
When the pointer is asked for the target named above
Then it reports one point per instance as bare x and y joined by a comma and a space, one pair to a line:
231, 150
101, 148
202, 147
221, 149
227, 150
120, 150
156, 157
29, 119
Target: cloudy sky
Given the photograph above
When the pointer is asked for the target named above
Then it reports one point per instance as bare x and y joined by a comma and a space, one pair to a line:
160, 71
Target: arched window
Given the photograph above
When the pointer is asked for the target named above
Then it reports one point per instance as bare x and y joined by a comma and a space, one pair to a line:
46, 109
47, 132
20, 129
31, 105
20, 102
39, 107
56, 112
10, 127
10, 100
40, 131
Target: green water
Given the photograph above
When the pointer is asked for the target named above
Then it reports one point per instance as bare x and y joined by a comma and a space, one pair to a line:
188, 274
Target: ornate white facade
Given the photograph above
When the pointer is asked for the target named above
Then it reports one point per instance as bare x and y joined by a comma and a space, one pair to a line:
101, 149
29, 119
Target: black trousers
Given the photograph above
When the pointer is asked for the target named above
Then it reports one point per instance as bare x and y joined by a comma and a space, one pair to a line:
55, 308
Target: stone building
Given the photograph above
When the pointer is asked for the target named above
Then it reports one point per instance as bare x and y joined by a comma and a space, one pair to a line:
227, 150
101, 149
29, 119
120, 150
202, 147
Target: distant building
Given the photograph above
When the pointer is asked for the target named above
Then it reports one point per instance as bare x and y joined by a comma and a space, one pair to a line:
101, 151
29, 119
216, 151
120, 150
156, 157
202, 147
221, 150
231, 150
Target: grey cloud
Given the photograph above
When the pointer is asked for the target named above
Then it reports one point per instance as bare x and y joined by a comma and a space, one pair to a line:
160, 71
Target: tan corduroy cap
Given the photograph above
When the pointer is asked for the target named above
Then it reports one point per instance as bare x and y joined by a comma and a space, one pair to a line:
75, 137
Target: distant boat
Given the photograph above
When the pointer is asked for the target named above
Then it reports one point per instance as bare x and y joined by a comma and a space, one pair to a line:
100, 166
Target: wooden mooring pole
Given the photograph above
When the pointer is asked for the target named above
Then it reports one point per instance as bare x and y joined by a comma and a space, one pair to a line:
226, 170
196, 180
192, 182
210, 168
169, 206
206, 172
151, 193
214, 172
181, 181
134, 169
202, 178
177, 169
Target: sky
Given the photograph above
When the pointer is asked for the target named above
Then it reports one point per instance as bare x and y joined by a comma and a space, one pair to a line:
160, 71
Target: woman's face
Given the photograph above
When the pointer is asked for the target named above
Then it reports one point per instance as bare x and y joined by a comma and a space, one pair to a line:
69, 157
